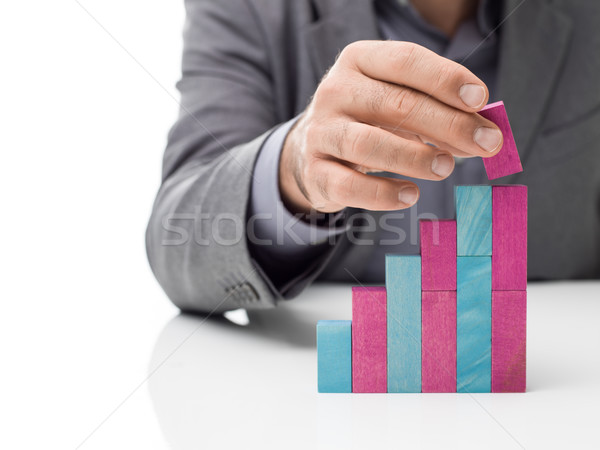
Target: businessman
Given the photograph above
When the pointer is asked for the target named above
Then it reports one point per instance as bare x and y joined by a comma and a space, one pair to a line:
313, 134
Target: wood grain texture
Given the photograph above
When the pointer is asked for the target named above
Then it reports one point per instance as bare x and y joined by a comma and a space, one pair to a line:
334, 355
438, 255
509, 334
438, 371
403, 285
369, 338
509, 238
473, 220
474, 324
506, 161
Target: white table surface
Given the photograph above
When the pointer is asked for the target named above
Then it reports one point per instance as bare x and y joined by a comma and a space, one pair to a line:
151, 378
253, 384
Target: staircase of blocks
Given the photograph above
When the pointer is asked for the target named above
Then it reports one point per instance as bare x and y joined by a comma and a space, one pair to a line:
452, 319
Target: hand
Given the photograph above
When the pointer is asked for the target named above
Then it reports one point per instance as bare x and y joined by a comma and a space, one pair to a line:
375, 110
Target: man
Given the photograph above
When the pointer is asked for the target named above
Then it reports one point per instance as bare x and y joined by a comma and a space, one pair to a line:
276, 174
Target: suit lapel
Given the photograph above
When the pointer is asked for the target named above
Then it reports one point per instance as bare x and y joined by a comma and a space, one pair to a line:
340, 23
534, 42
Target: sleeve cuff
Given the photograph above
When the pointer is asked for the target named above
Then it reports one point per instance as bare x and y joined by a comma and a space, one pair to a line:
270, 224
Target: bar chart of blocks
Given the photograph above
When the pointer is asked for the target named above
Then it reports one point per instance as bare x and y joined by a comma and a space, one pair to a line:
452, 319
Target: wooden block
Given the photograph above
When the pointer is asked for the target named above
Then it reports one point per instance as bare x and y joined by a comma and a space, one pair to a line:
403, 285
473, 220
334, 355
438, 255
506, 161
369, 336
474, 324
438, 341
509, 333
509, 238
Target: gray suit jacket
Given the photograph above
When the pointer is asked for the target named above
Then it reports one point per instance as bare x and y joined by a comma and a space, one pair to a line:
249, 65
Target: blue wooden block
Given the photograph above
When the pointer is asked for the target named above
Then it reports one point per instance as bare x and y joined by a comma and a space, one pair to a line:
334, 355
403, 284
474, 324
473, 220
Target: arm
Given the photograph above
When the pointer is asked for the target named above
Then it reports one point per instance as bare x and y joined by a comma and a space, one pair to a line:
227, 101
201, 238
284, 244
196, 239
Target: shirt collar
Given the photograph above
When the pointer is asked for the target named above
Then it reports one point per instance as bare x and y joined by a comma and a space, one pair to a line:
486, 18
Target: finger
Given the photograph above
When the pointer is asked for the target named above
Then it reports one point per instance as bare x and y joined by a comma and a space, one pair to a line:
337, 184
367, 146
405, 109
411, 65
427, 140
446, 147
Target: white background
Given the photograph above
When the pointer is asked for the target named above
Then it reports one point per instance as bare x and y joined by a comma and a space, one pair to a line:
93, 354
82, 129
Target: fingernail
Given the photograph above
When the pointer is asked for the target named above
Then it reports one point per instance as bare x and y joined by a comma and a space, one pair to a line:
408, 195
472, 95
442, 165
488, 139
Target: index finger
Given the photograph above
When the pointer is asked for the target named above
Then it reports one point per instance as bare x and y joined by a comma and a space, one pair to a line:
408, 64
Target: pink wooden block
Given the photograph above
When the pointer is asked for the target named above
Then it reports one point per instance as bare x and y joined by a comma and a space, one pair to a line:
369, 339
507, 161
438, 341
509, 317
438, 255
509, 238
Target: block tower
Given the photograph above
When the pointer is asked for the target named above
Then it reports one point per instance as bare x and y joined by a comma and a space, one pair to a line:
452, 319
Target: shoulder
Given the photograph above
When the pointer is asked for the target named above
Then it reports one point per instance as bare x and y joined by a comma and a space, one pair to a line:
247, 11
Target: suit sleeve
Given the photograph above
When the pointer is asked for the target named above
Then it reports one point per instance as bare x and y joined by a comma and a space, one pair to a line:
196, 237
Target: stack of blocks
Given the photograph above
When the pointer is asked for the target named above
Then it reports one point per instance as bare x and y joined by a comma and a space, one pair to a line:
452, 319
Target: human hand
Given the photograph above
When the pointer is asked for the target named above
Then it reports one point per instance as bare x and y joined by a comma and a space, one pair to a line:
375, 110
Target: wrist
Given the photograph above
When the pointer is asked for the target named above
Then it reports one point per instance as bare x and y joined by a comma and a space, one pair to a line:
289, 180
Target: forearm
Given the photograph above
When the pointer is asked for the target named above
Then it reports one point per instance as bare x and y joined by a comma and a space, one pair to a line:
284, 244
196, 236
